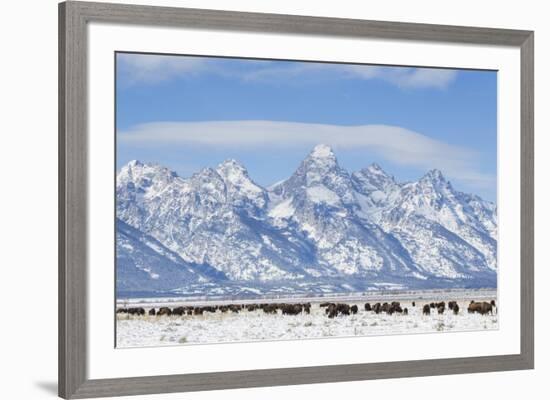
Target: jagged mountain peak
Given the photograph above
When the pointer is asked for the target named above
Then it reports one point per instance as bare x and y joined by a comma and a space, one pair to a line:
231, 164
375, 171
241, 189
372, 178
321, 158
137, 167
322, 151
232, 171
375, 168
145, 177
435, 176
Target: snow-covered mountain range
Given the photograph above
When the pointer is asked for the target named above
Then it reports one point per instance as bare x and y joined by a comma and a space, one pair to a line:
322, 230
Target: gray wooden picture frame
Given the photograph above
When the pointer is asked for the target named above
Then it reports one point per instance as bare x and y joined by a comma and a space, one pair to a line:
73, 202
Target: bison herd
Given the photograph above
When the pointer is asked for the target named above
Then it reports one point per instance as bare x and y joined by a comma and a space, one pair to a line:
332, 310
268, 308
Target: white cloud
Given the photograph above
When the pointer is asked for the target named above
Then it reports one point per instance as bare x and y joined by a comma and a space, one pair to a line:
146, 68
150, 69
409, 78
395, 144
403, 77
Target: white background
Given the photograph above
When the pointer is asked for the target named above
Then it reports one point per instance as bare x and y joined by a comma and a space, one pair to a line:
28, 92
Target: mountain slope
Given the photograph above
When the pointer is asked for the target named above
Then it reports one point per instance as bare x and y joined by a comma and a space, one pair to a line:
143, 262
448, 234
321, 226
325, 208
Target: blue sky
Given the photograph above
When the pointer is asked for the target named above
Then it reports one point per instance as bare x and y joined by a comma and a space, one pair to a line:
188, 113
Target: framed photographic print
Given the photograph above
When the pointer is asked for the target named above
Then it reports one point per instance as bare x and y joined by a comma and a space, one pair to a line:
255, 199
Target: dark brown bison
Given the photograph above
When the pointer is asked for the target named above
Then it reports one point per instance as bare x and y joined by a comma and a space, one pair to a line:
270, 308
331, 311
414, 304
198, 311
334, 310
451, 305
368, 307
235, 308
427, 309
178, 311
164, 311
440, 310
122, 311
456, 309
325, 304
152, 311
354, 309
480, 307
291, 309
136, 311
377, 308
343, 309
405, 311
251, 307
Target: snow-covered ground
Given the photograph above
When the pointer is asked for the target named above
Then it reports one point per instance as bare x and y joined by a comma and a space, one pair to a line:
140, 331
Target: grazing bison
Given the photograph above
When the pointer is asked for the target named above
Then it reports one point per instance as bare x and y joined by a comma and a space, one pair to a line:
377, 308
331, 311
307, 308
122, 311
164, 311
235, 308
269, 308
178, 311
152, 311
343, 309
440, 309
136, 311
368, 307
480, 307
291, 309
451, 305
198, 311
397, 308
456, 309
427, 309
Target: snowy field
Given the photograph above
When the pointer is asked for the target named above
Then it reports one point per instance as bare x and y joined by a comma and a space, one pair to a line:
140, 331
